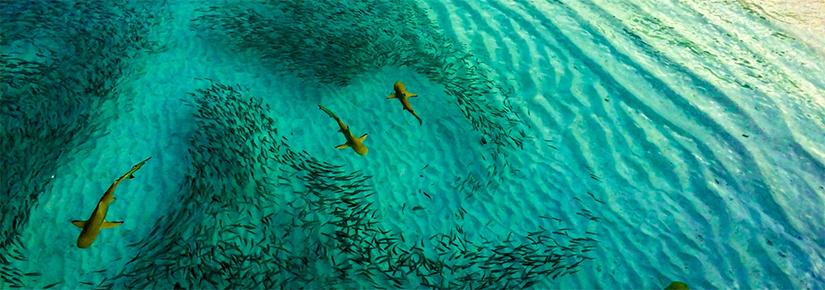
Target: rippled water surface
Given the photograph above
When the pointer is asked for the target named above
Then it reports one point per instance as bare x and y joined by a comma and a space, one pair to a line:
563, 144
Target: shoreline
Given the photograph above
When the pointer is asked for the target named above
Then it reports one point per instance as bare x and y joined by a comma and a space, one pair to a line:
804, 19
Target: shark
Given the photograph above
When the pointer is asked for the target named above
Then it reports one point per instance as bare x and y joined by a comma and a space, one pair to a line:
97, 221
400, 92
677, 285
356, 144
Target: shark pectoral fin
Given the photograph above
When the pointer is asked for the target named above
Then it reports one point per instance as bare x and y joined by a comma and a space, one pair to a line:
391, 96
131, 176
342, 146
412, 95
363, 137
109, 225
79, 223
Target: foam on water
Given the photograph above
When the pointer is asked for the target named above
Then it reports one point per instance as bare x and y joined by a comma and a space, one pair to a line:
691, 131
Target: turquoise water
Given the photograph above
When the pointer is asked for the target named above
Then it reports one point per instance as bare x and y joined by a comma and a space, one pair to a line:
570, 145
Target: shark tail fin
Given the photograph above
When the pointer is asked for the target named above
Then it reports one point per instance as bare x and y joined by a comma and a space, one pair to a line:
130, 174
330, 113
110, 224
140, 164
417, 117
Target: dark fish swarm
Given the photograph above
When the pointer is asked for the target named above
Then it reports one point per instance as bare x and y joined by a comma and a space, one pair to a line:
51, 102
330, 43
255, 213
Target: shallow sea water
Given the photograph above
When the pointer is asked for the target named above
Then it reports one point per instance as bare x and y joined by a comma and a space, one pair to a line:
650, 141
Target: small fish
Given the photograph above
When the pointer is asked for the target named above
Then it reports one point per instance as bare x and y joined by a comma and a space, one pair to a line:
594, 197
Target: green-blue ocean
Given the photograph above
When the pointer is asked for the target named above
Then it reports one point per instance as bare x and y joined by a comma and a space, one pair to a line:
412, 144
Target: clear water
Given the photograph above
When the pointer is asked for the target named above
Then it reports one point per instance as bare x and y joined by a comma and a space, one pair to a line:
652, 141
